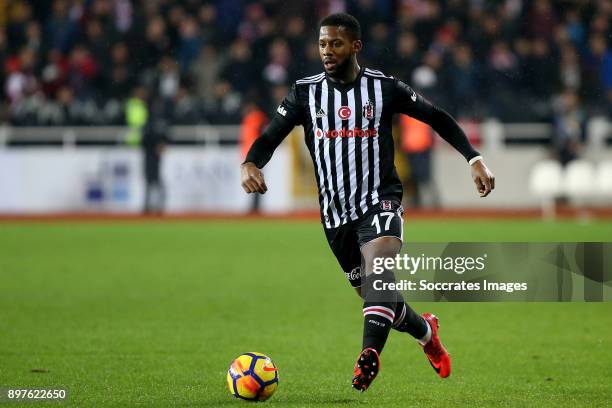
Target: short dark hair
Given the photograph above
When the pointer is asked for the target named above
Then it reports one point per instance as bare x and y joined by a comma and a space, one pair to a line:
345, 20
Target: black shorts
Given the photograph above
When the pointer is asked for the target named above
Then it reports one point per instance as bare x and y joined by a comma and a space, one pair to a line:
345, 241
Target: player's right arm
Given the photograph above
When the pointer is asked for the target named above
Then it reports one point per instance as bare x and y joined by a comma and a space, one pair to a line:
287, 116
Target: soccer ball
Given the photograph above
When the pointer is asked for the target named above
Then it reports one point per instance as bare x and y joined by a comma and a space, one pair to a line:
253, 377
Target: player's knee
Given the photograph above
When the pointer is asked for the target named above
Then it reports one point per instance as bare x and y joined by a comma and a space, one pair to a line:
377, 288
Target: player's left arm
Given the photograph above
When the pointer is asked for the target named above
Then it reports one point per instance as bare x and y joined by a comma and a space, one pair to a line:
410, 103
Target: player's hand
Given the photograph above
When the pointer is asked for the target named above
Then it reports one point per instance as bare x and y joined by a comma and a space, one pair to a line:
252, 179
483, 178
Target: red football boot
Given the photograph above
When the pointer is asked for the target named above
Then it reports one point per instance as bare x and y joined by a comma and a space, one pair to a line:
366, 369
436, 353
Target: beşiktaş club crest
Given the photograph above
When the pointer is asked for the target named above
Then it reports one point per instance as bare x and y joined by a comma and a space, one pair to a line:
368, 110
386, 205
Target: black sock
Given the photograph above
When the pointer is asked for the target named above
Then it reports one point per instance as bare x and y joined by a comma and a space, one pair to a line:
407, 320
377, 321
378, 311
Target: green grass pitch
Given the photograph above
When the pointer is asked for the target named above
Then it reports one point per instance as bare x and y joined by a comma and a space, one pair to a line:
151, 314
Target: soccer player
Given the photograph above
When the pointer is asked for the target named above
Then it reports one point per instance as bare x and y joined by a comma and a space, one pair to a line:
346, 113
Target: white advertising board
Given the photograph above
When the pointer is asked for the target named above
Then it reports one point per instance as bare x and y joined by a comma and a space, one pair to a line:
48, 180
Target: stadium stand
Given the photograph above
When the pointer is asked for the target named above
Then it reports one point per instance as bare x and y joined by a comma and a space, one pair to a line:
74, 62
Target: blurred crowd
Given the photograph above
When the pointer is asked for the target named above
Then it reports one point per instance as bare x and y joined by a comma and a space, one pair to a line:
74, 62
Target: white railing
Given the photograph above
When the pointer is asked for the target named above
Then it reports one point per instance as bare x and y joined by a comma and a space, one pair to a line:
70, 136
494, 134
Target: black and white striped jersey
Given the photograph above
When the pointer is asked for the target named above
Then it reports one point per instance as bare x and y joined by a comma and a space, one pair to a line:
347, 130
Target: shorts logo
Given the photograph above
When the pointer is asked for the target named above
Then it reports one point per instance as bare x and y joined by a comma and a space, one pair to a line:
386, 205
354, 274
344, 112
368, 110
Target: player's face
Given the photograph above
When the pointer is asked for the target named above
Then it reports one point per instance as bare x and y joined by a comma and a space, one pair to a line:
336, 47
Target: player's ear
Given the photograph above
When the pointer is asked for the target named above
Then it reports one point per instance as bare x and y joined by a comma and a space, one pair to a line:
357, 46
